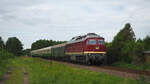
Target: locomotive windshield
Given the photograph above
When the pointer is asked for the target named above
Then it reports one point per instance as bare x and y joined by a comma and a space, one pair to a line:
92, 42
101, 42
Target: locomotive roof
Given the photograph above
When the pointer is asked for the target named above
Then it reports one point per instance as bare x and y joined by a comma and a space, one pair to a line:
82, 38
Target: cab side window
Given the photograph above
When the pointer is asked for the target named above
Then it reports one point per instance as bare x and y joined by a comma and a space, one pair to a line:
101, 42
92, 42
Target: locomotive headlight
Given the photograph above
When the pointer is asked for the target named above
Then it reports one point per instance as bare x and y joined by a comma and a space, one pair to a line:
103, 54
97, 47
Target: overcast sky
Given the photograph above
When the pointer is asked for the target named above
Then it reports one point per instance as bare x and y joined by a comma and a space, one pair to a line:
31, 20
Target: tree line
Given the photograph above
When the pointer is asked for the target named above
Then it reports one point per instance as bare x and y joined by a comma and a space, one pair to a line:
12, 45
44, 43
15, 46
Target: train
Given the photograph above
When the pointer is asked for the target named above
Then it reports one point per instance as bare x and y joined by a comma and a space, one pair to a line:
86, 49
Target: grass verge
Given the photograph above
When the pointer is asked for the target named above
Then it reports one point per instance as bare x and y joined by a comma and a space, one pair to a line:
17, 74
5, 62
132, 66
43, 72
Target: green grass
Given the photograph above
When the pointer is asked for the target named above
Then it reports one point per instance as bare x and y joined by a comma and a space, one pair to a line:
132, 66
43, 72
17, 74
5, 62
4, 66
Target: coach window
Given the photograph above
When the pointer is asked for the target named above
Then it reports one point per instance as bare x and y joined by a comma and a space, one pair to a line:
92, 42
101, 42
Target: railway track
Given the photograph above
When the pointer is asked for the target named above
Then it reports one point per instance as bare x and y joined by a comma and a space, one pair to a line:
130, 73
140, 72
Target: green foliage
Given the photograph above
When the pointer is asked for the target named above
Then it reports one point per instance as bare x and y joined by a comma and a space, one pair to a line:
125, 34
146, 43
5, 61
110, 53
26, 52
17, 74
132, 66
14, 46
142, 80
122, 47
125, 48
138, 56
44, 43
1, 43
44, 72
128, 51
108, 44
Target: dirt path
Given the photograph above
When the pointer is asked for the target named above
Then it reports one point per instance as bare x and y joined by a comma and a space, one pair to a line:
26, 81
6, 76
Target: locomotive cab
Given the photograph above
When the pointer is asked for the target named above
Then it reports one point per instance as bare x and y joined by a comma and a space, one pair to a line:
95, 45
95, 49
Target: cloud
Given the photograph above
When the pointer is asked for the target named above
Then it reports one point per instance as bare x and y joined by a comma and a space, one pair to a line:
63, 19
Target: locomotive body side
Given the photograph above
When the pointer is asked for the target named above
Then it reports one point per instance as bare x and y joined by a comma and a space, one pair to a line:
75, 48
75, 51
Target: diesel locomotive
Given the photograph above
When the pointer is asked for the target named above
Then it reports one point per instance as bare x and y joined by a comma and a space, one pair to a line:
89, 49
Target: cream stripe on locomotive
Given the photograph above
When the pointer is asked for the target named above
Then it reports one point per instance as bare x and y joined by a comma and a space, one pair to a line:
70, 53
87, 52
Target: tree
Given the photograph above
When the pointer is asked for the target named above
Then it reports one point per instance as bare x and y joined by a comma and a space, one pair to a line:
1, 43
44, 43
26, 52
146, 42
40, 44
138, 55
14, 46
122, 45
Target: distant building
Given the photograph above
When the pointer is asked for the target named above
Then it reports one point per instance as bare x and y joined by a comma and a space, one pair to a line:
147, 56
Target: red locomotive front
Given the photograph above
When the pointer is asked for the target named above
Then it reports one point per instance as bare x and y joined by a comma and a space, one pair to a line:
95, 45
89, 48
